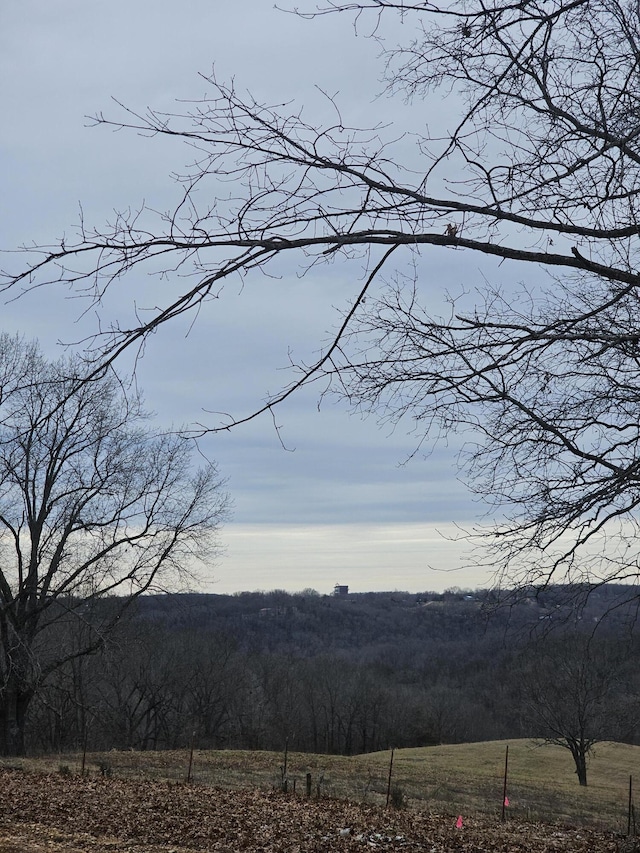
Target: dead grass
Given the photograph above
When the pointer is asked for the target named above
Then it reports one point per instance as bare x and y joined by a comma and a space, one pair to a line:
542, 785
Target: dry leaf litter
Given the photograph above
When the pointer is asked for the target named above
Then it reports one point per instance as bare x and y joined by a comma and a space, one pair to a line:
59, 814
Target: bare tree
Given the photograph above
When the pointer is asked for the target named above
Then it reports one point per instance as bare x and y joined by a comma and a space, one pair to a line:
96, 508
571, 693
541, 168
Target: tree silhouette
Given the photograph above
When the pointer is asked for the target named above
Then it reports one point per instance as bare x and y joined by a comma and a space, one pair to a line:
96, 508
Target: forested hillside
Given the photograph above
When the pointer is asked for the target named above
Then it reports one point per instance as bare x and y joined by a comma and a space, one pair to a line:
343, 674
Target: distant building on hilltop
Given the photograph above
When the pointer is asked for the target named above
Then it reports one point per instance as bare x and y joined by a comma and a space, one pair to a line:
340, 590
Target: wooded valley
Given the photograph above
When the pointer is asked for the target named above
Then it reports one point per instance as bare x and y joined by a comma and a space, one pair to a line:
347, 674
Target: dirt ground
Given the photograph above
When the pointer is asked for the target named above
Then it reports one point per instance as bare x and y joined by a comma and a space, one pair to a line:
53, 813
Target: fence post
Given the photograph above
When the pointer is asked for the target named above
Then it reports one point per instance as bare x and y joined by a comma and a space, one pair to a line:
389, 780
193, 737
285, 781
630, 809
308, 784
504, 787
84, 750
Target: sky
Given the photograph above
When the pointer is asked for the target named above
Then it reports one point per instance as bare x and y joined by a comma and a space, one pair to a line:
340, 502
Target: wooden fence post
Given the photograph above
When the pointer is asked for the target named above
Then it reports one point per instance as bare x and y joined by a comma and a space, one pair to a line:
285, 781
193, 736
84, 750
389, 780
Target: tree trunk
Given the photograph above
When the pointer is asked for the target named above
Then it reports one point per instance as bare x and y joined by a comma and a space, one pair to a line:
581, 770
580, 757
13, 712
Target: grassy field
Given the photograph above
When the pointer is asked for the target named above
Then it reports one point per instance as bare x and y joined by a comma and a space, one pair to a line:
465, 779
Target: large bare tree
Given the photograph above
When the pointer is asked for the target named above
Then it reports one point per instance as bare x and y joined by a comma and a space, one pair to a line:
96, 508
540, 168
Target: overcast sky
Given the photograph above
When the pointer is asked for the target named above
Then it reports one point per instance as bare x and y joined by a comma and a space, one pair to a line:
337, 505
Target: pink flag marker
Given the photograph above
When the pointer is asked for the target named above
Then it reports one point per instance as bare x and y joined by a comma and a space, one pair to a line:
459, 822
506, 801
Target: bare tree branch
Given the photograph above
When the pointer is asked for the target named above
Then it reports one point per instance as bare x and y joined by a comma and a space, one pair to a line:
542, 168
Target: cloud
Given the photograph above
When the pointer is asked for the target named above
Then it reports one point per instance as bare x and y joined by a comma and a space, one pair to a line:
366, 557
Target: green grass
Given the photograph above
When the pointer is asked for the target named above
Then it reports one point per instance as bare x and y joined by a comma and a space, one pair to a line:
462, 779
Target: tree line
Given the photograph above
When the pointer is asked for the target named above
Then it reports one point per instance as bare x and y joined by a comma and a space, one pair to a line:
326, 675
